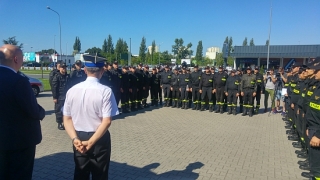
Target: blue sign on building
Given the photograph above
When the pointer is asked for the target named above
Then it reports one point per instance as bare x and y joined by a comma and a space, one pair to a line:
29, 56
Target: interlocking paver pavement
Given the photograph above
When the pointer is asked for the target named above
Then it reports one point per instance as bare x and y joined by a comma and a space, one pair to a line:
170, 143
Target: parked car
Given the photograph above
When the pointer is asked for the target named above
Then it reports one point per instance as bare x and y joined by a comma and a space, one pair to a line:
36, 84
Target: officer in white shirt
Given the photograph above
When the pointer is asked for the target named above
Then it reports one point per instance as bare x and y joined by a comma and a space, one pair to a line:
88, 110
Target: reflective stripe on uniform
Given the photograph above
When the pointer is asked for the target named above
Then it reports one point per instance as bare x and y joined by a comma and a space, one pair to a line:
309, 93
296, 91
314, 106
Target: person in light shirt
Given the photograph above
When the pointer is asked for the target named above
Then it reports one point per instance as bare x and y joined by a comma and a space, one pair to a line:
88, 111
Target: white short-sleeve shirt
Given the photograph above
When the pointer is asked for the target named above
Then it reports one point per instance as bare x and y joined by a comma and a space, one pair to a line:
87, 103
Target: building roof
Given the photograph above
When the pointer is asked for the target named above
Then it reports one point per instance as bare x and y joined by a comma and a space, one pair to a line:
277, 51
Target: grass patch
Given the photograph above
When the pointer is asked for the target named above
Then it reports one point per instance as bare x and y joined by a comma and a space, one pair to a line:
35, 72
46, 84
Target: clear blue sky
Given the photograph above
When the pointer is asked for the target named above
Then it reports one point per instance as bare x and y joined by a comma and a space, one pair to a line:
294, 22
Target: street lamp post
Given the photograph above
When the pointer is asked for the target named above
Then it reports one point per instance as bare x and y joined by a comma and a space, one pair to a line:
59, 27
54, 51
268, 55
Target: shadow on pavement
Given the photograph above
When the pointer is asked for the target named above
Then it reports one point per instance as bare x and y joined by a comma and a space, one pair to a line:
44, 95
61, 165
49, 112
133, 113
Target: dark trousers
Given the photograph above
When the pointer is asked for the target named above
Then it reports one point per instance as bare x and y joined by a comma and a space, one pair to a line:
196, 95
154, 93
116, 93
314, 156
241, 100
258, 98
125, 97
175, 93
206, 91
160, 93
184, 94
146, 93
166, 91
140, 94
213, 99
133, 96
17, 164
95, 161
297, 120
58, 110
248, 98
220, 95
232, 98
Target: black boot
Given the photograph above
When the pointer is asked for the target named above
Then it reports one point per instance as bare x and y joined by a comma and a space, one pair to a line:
234, 110
250, 112
173, 104
152, 103
186, 105
210, 108
194, 106
124, 109
221, 109
60, 126
182, 105
244, 112
218, 108
156, 103
199, 106
202, 107
178, 104
229, 110
241, 108
146, 104
161, 101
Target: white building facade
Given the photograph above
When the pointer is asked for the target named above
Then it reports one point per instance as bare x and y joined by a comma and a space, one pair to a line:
212, 52
156, 49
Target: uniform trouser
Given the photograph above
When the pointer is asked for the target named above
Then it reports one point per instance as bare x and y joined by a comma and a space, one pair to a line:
258, 98
17, 163
286, 100
314, 156
241, 101
175, 93
206, 91
133, 96
140, 94
213, 99
95, 161
146, 93
196, 95
248, 98
290, 112
124, 97
297, 120
154, 93
160, 93
232, 98
184, 95
166, 91
220, 95
303, 137
117, 94
58, 110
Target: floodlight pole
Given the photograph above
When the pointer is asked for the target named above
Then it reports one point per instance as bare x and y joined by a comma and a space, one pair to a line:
60, 29
268, 55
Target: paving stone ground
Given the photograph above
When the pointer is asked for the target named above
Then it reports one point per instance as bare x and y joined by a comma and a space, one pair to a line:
170, 143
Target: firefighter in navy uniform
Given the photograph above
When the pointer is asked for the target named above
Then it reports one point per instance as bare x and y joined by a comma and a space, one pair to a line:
313, 124
78, 75
195, 78
232, 91
184, 84
133, 88
207, 88
260, 88
60, 86
220, 83
154, 84
248, 88
239, 75
107, 75
165, 84
147, 86
214, 98
124, 89
175, 89
116, 83
159, 71
141, 85
54, 72
190, 91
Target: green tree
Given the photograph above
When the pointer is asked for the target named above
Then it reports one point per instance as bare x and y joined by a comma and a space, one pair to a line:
226, 40
142, 50
94, 50
148, 58
13, 41
165, 57
153, 48
267, 42
46, 51
251, 42
245, 42
110, 48
77, 45
219, 59
230, 61
121, 48
104, 46
199, 53
230, 46
181, 51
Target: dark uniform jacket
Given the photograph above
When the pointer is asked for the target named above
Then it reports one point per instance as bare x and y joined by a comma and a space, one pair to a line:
248, 82
293, 80
133, 80
312, 84
77, 76
125, 80
61, 84
233, 83
117, 76
107, 78
184, 80
313, 113
175, 80
260, 82
207, 80
166, 77
141, 79
299, 92
195, 78
147, 78
220, 79
154, 80
51, 76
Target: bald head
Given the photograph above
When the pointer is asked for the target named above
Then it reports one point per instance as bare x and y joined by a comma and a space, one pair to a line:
12, 56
